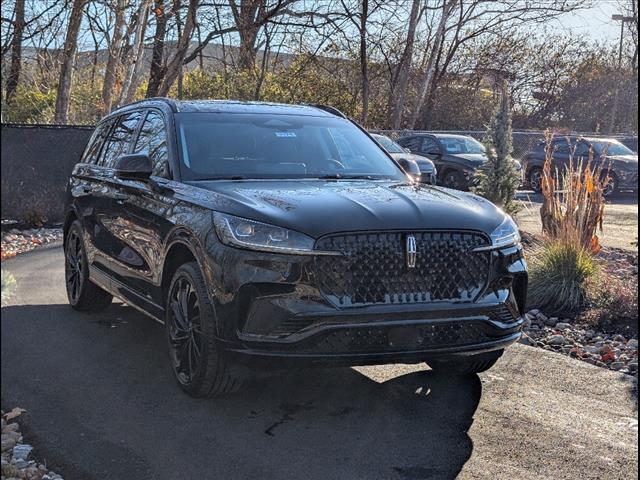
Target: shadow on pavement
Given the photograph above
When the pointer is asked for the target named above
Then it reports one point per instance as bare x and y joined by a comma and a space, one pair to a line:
102, 403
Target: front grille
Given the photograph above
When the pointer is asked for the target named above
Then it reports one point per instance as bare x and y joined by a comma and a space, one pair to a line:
373, 268
437, 335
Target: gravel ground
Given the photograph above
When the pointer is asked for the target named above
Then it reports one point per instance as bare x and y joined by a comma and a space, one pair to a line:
20, 241
16, 462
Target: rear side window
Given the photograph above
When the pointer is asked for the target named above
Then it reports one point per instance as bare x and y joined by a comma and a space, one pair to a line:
92, 151
412, 143
119, 140
152, 140
562, 147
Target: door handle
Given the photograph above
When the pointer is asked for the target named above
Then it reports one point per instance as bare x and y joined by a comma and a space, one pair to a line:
119, 197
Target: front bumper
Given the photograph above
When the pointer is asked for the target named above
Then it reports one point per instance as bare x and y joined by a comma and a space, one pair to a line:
270, 311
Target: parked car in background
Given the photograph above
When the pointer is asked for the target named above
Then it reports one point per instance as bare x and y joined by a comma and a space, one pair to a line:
456, 157
428, 171
267, 234
617, 160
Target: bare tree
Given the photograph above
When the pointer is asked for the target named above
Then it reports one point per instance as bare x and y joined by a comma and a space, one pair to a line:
400, 78
16, 50
68, 61
157, 70
447, 9
133, 61
113, 58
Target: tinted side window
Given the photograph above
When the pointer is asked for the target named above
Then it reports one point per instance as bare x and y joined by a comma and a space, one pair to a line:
429, 145
120, 139
582, 150
152, 140
92, 151
412, 143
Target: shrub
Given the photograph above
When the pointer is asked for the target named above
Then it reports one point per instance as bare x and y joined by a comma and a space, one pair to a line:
8, 285
573, 200
612, 302
558, 278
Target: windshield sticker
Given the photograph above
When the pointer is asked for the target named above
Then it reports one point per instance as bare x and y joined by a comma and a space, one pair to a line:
286, 134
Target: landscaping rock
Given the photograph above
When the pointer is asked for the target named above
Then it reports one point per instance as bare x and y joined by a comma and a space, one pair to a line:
556, 340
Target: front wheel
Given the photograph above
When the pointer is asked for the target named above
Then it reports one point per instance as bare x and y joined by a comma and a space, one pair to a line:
466, 365
610, 184
199, 366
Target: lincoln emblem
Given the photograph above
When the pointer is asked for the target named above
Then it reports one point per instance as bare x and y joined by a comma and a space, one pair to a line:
411, 251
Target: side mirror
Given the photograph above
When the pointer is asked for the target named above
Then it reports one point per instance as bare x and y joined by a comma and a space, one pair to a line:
434, 152
409, 167
136, 166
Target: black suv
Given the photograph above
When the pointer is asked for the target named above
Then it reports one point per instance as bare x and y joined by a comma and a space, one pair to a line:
618, 162
455, 156
278, 235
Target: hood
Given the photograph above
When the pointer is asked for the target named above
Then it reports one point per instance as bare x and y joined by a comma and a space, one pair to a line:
473, 158
425, 164
319, 207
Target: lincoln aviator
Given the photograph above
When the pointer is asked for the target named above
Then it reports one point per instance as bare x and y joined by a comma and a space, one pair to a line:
267, 235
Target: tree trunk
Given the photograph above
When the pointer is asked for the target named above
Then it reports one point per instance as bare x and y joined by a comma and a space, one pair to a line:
156, 72
245, 19
174, 66
399, 89
134, 62
447, 7
364, 61
68, 61
16, 51
110, 73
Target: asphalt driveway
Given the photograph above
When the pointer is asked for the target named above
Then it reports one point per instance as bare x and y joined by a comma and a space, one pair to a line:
102, 404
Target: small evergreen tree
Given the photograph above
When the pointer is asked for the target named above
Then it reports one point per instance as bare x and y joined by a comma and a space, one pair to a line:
498, 179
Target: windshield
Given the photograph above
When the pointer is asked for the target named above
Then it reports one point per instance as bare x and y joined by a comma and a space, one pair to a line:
388, 144
454, 145
238, 146
611, 148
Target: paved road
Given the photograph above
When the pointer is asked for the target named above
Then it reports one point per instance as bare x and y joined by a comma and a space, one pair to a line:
102, 404
620, 226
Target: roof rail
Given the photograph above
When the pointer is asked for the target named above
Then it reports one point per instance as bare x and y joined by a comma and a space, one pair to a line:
166, 100
329, 109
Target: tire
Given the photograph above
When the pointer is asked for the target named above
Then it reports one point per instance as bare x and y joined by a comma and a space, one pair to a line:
534, 179
82, 293
198, 364
454, 179
466, 365
611, 189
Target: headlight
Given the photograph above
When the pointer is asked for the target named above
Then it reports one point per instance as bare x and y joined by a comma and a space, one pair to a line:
506, 234
249, 234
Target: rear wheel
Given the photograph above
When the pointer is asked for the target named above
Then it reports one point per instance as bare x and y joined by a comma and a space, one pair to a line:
466, 365
199, 366
454, 179
535, 179
83, 295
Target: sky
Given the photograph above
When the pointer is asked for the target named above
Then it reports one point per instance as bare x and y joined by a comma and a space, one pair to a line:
594, 22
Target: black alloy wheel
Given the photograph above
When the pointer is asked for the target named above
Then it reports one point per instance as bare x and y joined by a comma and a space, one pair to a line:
74, 266
185, 330
82, 293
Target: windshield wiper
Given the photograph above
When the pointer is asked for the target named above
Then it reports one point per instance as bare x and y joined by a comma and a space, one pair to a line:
337, 176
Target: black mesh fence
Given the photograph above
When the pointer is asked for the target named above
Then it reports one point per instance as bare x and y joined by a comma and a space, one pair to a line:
523, 141
36, 162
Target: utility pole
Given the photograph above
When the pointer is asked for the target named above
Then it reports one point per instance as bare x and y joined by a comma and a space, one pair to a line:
616, 98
